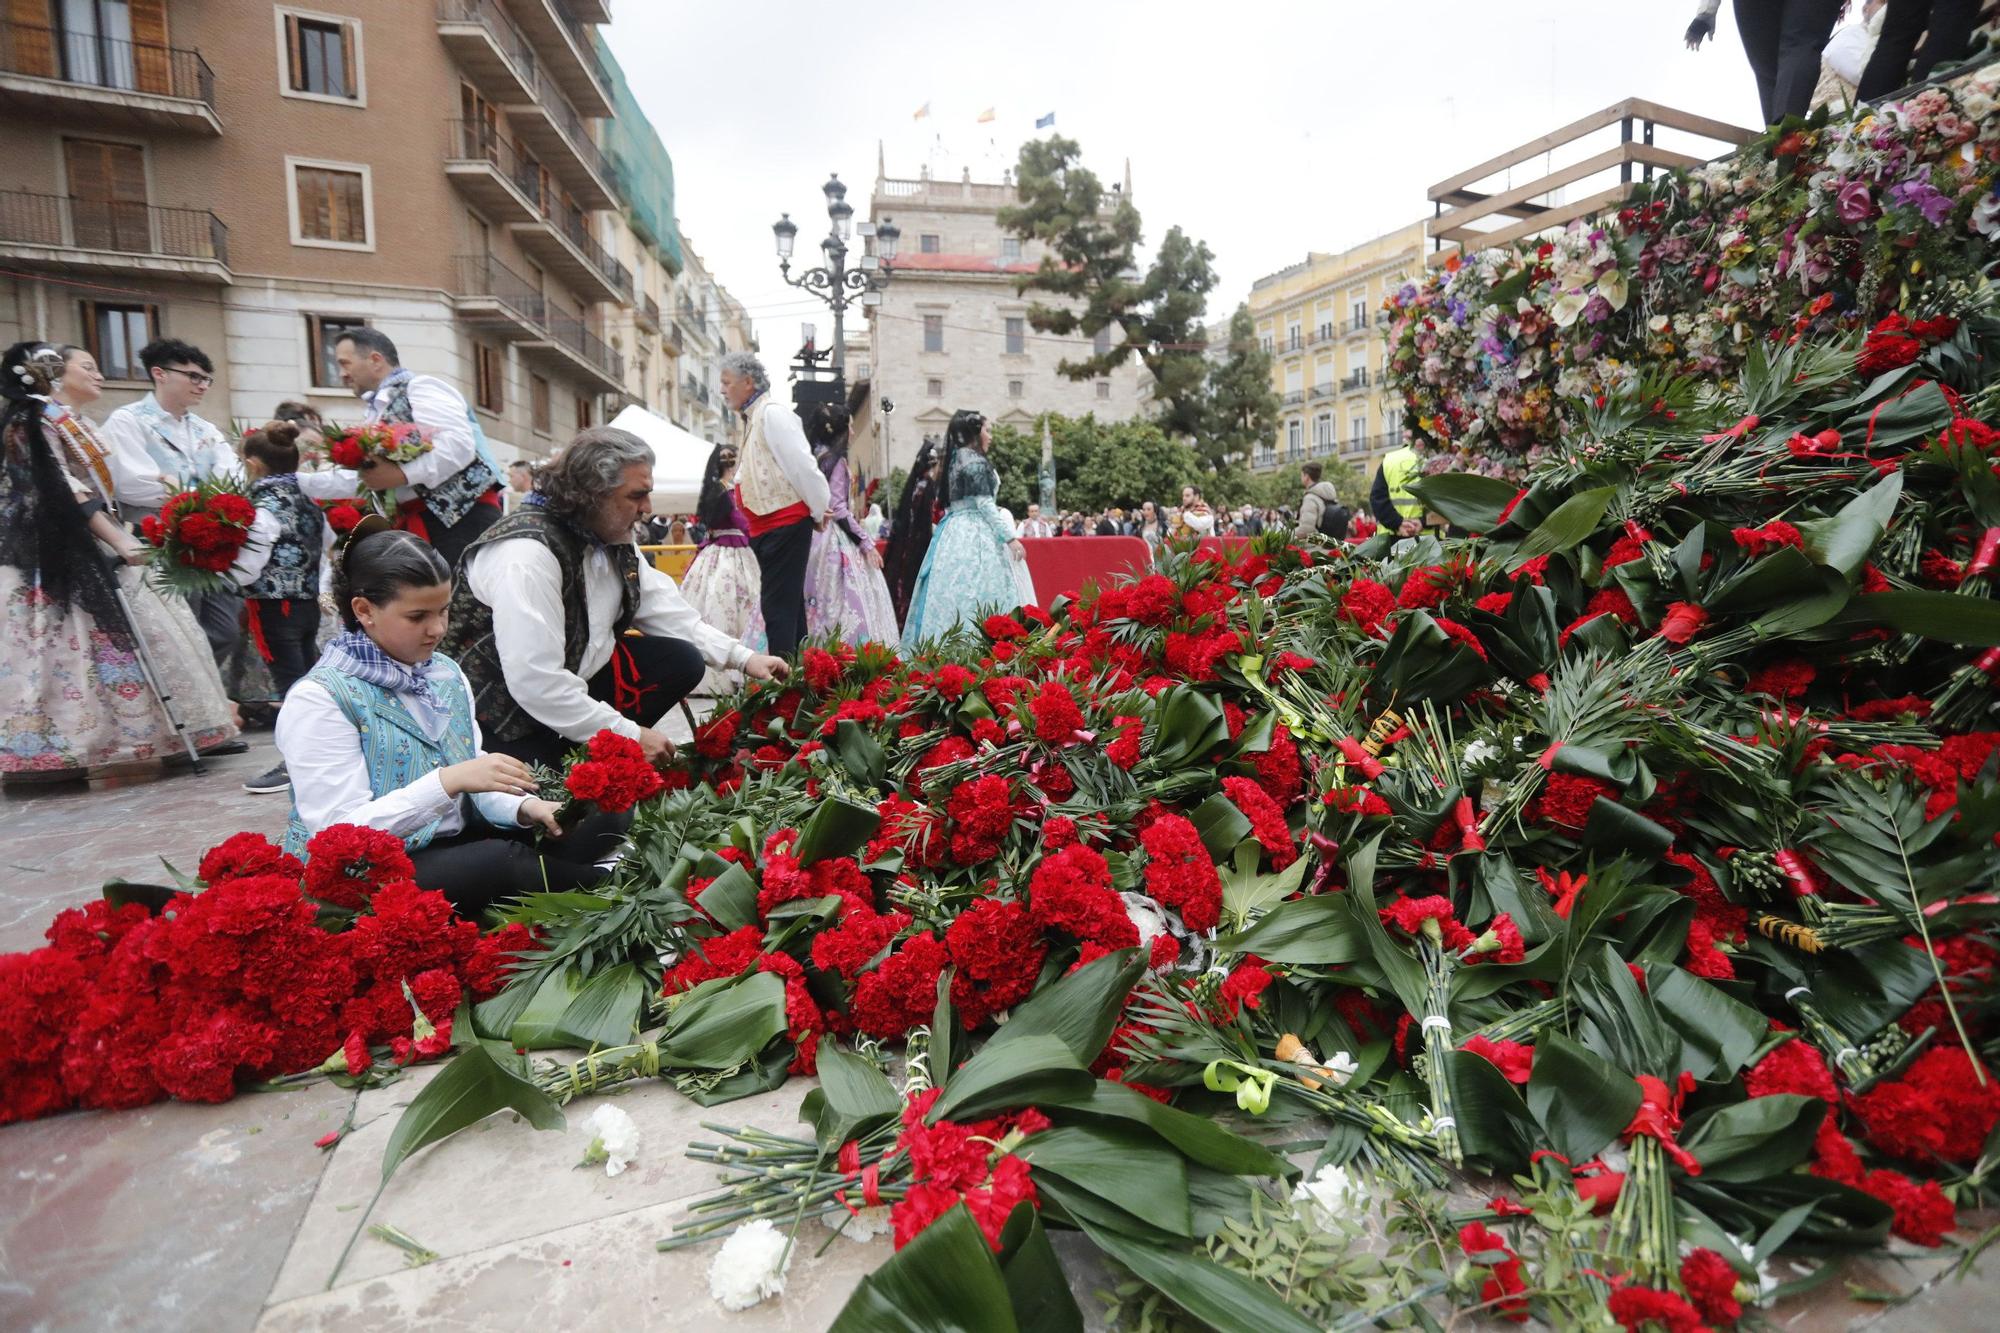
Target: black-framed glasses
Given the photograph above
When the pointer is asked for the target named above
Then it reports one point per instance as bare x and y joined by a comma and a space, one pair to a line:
195, 377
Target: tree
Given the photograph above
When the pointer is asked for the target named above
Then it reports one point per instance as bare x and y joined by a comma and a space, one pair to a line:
1241, 411
1099, 465
1091, 265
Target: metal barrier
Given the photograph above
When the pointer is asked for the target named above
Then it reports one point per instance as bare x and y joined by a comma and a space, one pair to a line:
673, 561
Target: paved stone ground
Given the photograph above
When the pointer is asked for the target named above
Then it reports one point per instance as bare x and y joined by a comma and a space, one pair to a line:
226, 1218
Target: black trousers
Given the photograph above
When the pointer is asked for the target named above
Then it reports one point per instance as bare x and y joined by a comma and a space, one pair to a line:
286, 631
1783, 40
1946, 27
781, 562
645, 677
450, 542
220, 615
481, 867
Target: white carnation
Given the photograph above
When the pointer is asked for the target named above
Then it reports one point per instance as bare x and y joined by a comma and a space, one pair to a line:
861, 1226
614, 1139
749, 1267
1330, 1195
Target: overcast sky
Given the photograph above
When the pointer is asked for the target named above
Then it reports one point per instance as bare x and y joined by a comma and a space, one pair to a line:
1266, 129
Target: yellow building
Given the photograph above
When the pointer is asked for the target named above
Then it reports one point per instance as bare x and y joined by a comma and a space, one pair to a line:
1321, 320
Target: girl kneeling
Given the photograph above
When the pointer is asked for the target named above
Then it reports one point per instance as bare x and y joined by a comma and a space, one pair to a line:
381, 733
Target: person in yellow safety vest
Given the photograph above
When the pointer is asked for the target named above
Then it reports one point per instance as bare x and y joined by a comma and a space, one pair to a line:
1390, 500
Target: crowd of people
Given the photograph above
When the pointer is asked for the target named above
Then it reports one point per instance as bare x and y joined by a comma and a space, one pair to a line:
432, 660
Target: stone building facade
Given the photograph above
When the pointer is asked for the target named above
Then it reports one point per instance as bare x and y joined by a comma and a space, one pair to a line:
951, 330
253, 177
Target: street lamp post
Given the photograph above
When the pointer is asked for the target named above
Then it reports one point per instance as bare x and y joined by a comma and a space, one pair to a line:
833, 281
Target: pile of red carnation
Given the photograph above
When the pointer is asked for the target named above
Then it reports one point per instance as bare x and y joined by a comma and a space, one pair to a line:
616, 776
123, 1007
200, 532
973, 1164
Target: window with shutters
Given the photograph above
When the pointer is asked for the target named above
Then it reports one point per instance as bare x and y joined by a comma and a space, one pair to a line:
332, 204
489, 370
106, 183
109, 43
113, 335
538, 404
322, 332
319, 57
582, 412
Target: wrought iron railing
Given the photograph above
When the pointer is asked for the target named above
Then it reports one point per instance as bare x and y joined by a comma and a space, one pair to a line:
475, 141
64, 222
103, 62
483, 275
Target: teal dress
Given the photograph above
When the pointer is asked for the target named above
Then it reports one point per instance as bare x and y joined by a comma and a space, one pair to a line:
966, 574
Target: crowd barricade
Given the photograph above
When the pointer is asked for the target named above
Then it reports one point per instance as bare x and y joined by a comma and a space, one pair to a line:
1060, 566
673, 561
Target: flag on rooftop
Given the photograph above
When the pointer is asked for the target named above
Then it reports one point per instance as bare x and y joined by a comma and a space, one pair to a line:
922, 111
986, 115
1045, 121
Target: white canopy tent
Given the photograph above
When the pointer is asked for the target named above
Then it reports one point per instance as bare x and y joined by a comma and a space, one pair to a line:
679, 458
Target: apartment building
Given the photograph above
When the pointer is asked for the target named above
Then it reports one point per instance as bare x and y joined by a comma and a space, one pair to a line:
257, 177
711, 324
951, 330
1322, 322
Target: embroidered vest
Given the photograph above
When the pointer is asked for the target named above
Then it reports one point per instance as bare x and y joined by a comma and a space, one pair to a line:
394, 745
453, 498
469, 638
293, 569
762, 483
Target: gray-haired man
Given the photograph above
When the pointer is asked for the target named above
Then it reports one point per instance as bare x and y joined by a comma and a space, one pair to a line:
782, 491
546, 595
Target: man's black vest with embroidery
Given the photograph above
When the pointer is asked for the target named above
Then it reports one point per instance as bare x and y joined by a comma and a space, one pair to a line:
469, 639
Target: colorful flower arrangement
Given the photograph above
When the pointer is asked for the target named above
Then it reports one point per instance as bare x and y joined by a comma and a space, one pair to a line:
1811, 229
197, 536
385, 441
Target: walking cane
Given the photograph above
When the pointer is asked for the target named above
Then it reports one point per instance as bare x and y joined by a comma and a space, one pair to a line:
166, 701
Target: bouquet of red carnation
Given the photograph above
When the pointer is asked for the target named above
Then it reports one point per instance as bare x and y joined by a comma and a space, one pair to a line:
612, 773
197, 536
385, 441
342, 515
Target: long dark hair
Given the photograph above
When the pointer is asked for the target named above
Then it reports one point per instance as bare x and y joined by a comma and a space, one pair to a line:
717, 508
828, 431
377, 563
962, 433
910, 529
44, 532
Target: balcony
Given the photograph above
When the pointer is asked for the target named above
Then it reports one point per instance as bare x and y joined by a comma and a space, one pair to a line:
1322, 391
551, 129
1295, 343
495, 55
647, 313
1358, 324
569, 347
696, 324
130, 85
508, 189
1293, 397
593, 11
497, 301
105, 236
1354, 382
567, 53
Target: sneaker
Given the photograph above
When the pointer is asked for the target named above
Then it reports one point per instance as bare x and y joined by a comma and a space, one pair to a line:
269, 783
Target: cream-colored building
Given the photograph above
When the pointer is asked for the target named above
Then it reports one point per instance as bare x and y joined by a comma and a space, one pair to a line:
255, 177
1322, 322
952, 332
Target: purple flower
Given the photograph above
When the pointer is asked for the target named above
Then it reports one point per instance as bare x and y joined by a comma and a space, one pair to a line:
1596, 310
1458, 311
1853, 201
1924, 197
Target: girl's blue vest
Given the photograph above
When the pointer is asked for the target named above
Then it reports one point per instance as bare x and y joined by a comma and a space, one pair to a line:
394, 744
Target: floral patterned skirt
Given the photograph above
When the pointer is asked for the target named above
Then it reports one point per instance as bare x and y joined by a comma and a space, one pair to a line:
847, 600
72, 698
723, 586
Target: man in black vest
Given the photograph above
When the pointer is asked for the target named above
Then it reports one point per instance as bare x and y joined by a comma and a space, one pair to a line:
546, 595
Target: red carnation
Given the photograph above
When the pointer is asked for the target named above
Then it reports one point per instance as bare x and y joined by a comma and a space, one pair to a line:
1513, 1059
1070, 891
1244, 986
347, 863
1711, 1285
1180, 873
1793, 1067
1501, 1292
1566, 798
1267, 821
244, 855
996, 952
1636, 1307
1367, 605
902, 992
1054, 713
1683, 621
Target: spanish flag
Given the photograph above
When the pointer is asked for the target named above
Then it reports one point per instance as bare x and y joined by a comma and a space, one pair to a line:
922, 111
986, 115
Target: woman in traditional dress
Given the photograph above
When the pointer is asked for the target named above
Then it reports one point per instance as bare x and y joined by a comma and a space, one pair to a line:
73, 694
968, 572
381, 733
846, 597
910, 529
722, 584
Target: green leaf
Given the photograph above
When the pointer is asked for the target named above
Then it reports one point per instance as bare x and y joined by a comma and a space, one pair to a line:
1318, 929
837, 828
1200, 1138
1079, 1009
153, 897
731, 899
1718, 1034
1036, 1283
1128, 1168
474, 1085
1574, 520
1493, 1122
539, 1027
1580, 1099
1190, 724
1221, 825
860, 754
1217, 1295
1245, 893
1004, 1075
606, 1011
1621, 829
1971, 622
723, 1023
946, 1280
1465, 499
943, 1025
1848, 538
1754, 1140
852, 1098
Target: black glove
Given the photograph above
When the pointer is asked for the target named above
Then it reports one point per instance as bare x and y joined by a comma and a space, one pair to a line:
1700, 31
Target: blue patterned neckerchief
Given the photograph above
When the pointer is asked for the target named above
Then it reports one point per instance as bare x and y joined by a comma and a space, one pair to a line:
353, 653
375, 395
